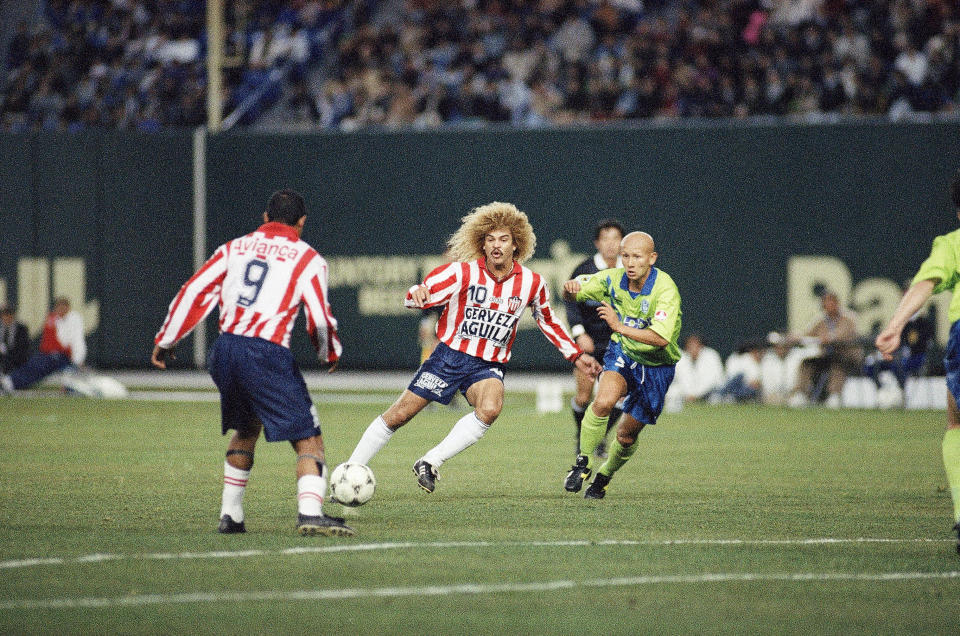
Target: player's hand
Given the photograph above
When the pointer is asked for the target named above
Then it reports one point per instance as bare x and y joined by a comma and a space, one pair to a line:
585, 342
160, 355
570, 288
887, 342
588, 365
420, 294
609, 316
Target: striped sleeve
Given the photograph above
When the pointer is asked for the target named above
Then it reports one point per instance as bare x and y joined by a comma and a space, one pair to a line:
441, 282
321, 325
549, 325
194, 301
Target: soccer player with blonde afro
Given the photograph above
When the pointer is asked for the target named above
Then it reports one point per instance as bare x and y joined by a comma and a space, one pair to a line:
483, 294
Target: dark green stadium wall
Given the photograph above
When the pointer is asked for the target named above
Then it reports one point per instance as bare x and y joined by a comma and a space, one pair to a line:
728, 205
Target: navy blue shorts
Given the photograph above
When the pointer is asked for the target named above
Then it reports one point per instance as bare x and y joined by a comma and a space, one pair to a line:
951, 361
260, 380
447, 371
646, 385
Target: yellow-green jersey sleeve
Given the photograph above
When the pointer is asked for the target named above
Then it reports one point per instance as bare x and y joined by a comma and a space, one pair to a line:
943, 266
596, 286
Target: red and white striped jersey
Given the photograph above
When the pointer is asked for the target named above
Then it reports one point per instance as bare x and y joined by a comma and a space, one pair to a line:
259, 282
480, 314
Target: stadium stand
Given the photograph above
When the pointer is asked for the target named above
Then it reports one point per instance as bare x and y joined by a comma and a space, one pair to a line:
139, 64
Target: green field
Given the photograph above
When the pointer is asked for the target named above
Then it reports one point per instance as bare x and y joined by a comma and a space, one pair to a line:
728, 520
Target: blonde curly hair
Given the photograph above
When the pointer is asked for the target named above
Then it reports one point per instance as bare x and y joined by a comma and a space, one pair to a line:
466, 244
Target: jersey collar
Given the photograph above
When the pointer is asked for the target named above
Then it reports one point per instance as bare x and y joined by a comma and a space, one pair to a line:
483, 265
276, 228
647, 286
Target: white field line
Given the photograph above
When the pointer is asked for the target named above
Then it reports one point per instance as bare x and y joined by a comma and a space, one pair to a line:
370, 547
465, 589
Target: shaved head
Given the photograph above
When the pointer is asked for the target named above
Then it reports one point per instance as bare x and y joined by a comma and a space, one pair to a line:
640, 240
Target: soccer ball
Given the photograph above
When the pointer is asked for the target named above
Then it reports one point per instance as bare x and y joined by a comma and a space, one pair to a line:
352, 484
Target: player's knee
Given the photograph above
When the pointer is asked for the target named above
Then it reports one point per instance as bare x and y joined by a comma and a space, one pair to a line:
488, 412
626, 438
602, 408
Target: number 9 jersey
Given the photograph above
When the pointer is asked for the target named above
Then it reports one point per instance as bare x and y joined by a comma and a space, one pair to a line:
259, 282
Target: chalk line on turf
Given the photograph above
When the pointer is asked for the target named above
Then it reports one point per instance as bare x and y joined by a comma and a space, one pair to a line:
409, 545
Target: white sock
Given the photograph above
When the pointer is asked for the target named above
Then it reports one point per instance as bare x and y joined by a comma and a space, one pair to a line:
234, 485
465, 433
310, 490
374, 438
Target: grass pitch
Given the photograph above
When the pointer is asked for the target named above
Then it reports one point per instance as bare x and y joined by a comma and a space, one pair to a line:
727, 520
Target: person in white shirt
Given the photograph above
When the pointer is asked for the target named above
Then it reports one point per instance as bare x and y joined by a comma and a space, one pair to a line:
699, 371
743, 374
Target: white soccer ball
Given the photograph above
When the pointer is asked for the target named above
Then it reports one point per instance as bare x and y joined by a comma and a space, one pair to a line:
352, 484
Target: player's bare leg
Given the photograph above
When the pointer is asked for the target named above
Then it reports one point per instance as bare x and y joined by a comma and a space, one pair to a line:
486, 396
951, 459
610, 389
236, 473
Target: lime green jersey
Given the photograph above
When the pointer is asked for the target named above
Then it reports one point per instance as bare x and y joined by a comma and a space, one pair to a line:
655, 307
944, 264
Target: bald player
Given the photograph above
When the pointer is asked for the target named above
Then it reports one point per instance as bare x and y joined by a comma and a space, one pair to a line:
641, 304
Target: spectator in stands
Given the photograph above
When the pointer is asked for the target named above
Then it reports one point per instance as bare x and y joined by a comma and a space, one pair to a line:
699, 372
744, 375
779, 368
62, 345
911, 356
822, 377
14, 340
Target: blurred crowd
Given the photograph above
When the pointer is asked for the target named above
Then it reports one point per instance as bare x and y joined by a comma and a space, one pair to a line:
427, 63
140, 64
556, 62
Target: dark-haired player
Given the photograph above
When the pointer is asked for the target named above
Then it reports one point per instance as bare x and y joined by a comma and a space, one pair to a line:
259, 281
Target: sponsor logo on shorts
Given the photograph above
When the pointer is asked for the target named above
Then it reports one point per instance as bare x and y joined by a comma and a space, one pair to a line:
430, 382
497, 372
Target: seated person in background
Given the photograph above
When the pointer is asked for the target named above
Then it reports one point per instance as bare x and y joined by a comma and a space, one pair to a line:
61, 345
910, 358
14, 340
779, 367
840, 354
743, 375
699, 371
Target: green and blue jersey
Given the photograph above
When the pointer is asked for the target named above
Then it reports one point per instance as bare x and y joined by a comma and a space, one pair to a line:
656, 307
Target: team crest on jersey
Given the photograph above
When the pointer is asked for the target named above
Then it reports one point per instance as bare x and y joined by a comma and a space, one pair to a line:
513, 303
660, 315
431, 383
644, 306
